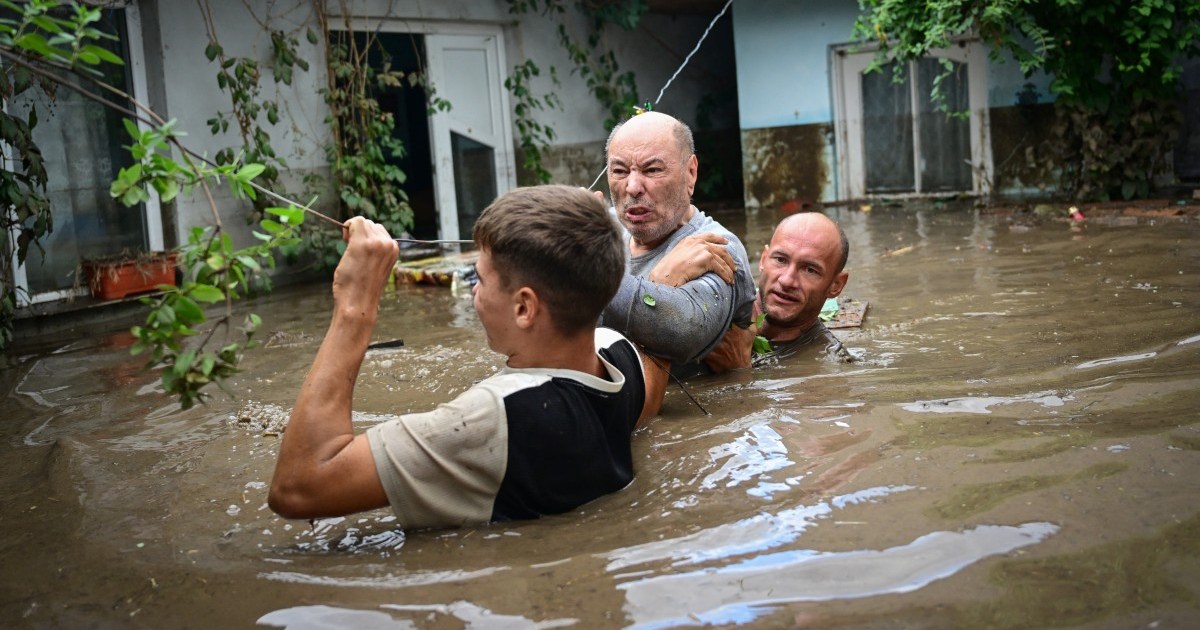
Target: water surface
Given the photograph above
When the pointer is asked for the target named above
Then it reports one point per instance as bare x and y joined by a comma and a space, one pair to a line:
1016, 446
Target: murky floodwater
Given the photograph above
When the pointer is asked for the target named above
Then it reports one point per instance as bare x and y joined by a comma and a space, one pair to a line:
1016, 447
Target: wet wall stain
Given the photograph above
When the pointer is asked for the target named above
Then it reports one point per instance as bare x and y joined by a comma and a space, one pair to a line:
781, 164
570, 164
1019, 140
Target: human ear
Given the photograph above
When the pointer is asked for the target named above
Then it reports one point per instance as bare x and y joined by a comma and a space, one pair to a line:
839, 283
526, 307
693, 168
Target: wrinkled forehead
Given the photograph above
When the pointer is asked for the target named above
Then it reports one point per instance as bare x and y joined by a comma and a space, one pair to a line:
645, 141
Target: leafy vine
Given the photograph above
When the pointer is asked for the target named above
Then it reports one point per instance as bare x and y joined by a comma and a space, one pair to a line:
46, 44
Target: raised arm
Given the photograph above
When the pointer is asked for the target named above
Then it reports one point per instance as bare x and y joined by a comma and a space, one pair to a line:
323, 468
693, 257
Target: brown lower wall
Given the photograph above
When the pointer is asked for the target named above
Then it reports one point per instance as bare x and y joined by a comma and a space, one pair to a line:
1019, 135
787, 164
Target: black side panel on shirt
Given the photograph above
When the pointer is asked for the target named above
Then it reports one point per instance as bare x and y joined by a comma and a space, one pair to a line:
568, 443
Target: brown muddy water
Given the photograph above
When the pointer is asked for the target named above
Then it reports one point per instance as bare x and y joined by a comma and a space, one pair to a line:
1016, 446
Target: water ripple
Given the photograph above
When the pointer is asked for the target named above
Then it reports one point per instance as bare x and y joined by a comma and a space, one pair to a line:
983, 404
331, 617
1111, 360
744, 591
757, 533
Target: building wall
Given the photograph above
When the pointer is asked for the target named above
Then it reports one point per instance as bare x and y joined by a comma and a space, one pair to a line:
183, 83
183, 86
786, 105
653, 51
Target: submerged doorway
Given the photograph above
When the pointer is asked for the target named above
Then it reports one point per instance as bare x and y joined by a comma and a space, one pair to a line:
407, 104
457, 160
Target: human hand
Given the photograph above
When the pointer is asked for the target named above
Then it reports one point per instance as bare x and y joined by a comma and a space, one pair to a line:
693, 257
733, 351
365, 266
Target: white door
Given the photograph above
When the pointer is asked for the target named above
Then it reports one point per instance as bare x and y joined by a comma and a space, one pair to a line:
891, 140
472, 142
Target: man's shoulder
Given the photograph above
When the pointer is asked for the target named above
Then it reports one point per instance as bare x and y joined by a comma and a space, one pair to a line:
705, 224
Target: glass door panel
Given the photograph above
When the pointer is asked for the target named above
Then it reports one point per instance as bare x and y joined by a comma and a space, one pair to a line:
82, 143
887, 132
945, 141
474, 180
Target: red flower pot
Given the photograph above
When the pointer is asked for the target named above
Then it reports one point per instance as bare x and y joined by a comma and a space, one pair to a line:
115, 279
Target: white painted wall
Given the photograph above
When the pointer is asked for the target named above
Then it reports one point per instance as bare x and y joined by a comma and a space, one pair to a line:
783, 59
187, 83
783, 62
186, 89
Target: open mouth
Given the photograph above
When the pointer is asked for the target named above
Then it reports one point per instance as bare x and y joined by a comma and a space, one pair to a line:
637, 214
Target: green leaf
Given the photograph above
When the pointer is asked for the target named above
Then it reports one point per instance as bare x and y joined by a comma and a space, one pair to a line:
183, 362
37, 44
104, 54
207, 363
164, 315
648, 300
206, 293
250, 171
187, 311
291, 216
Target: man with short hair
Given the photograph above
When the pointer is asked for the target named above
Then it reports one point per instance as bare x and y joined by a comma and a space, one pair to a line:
544, 436
652, 169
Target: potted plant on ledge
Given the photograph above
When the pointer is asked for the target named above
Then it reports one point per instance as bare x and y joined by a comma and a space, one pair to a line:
114, 277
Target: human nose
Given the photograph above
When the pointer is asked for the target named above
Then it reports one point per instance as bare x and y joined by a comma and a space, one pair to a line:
634, 184
790, 276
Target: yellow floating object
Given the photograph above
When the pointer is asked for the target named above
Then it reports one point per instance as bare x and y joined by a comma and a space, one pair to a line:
438, 270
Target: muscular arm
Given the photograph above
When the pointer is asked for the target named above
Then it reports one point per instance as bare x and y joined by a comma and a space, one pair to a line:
323, 468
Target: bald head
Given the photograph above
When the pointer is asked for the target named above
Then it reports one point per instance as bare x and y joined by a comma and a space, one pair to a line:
653, 124
820, 227
798, 271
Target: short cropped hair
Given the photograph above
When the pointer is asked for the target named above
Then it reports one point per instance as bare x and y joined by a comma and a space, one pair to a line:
845, 248
561, 242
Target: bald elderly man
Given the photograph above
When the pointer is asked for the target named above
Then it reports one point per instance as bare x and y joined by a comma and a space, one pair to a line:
688, 279
802, 266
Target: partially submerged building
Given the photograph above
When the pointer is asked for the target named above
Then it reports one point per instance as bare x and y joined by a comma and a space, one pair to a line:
777, 94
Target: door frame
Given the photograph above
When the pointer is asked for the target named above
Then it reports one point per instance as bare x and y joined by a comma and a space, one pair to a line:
849, 60
440, 124
151, 208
